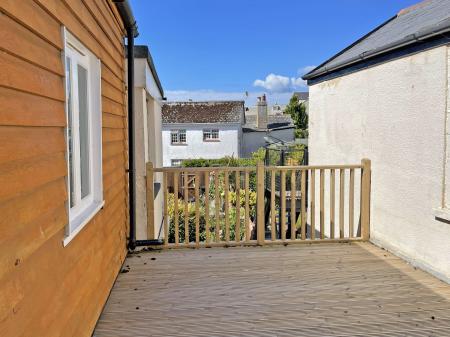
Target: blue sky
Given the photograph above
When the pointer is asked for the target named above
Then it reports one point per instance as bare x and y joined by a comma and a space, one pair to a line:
220, 49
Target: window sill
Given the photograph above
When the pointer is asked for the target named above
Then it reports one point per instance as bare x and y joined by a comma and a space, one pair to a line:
442, 213
211, 140
178, 144
83, 219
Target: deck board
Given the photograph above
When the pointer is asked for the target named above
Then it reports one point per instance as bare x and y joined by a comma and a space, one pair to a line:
306, 290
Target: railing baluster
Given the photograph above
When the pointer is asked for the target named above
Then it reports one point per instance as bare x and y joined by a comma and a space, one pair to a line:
273, 230
365, 198
197, 209
227, 204
283, 204
237, 228
260, 225
247, 206
175, 207
341, 203
186, 209
207, 207
322, 204
313, 205
303, 205
217, 204
351, 203
293, 208
166, 210
332, 202
150, 202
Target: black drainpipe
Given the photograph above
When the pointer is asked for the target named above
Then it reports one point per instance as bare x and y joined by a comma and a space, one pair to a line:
129, 22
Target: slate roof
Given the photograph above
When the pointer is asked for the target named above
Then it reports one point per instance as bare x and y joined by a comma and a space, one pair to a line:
303, 96
203, 112
422, 20
274, 122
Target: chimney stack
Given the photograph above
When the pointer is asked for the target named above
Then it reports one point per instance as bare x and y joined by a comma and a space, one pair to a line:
261, 116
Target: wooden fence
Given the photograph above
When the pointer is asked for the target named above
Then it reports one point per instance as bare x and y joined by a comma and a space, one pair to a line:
234, 206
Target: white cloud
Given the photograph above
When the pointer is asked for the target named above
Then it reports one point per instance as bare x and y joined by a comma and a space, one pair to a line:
213, 95
298, 83
274, 83
278, 84
304, 70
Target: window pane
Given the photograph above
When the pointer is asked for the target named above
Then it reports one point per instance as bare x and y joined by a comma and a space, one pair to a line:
174, 136
215, 134
182, 136
84, 131
70, 130
176, 162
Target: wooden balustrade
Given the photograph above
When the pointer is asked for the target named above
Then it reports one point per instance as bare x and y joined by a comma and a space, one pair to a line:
215, 206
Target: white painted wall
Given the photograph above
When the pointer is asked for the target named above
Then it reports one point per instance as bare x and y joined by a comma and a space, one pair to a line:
252, 141
148, 146
229, 144
393, 114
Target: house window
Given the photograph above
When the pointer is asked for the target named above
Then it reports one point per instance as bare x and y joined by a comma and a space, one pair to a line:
178, 136
83, 132
210, 135
176, 162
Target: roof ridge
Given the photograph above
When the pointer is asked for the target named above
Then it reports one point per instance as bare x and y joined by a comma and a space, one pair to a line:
412, 7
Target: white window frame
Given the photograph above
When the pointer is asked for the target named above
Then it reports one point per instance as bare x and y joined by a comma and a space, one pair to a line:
211, 135
173, 161
177, 133
84, 209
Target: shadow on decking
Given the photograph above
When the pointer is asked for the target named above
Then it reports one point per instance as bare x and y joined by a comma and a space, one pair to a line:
300, 290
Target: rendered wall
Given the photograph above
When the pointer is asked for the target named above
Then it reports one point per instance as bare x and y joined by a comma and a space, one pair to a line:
229, 144
393, 114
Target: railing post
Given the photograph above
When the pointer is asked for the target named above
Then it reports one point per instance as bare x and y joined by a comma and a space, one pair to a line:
260, 230
365, 199
150, 202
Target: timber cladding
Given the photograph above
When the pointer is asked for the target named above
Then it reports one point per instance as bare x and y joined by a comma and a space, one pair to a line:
47, 289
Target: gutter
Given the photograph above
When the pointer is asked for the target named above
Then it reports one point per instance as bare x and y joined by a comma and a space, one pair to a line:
442, 28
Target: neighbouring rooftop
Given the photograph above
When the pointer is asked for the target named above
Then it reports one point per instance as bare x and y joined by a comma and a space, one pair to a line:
308, 290
411, 25
302, 95
273, 122
203, 112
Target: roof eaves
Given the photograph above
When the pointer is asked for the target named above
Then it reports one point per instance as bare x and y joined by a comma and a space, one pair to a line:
440, 29
142, 51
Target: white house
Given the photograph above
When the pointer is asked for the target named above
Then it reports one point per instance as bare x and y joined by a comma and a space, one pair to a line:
209, 130
387, 98
262, 125
148, 100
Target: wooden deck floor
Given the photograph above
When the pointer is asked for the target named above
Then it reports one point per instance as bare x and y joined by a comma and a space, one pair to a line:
302, 290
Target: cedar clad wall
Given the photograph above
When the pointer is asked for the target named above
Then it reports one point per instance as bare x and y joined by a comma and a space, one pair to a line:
47, 289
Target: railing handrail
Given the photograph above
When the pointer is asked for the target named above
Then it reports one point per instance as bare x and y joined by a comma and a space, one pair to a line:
314, 167
253, 168
205, 169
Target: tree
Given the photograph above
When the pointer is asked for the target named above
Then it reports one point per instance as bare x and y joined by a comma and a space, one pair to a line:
297, 110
